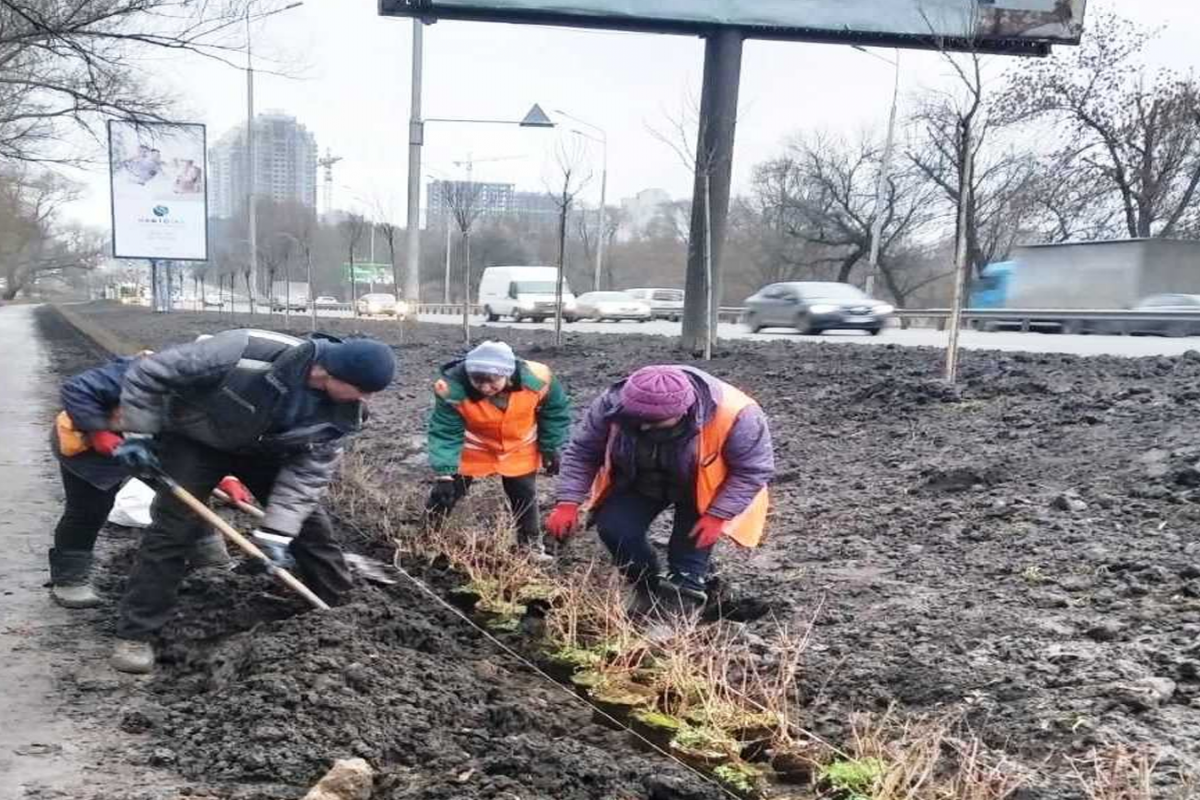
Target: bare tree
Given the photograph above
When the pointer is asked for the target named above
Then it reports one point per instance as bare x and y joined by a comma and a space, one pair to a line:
352, 229
33, 246
1133, 130
463, 200
66, 66
571, 175
998, 202
814, 210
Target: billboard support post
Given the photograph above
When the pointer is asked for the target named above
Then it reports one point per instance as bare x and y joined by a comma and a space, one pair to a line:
710, 195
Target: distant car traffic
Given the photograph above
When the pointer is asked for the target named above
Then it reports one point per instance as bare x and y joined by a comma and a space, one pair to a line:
608, 305
1167, 304
326, 301
378, 304
664, 303
813, 307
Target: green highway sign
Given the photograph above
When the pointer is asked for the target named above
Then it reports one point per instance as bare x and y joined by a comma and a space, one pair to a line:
367, 272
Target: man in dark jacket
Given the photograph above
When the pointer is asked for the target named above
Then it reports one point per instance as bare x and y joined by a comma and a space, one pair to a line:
83, 440
268, 408
665, 437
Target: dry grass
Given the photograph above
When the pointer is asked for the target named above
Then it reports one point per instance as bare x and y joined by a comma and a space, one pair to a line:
927, 758
709, 675
1117, 772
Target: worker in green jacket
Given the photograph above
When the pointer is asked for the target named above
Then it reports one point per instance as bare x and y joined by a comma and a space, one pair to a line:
494, 413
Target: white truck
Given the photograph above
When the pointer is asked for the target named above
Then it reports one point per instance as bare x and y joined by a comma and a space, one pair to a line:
522, 293
289, 296
1106, 275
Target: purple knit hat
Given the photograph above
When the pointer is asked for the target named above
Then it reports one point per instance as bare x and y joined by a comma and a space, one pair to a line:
657, 393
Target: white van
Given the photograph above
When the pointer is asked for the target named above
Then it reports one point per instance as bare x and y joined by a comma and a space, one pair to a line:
522, 292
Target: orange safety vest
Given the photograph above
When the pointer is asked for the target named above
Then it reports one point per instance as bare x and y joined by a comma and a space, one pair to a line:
746, 528
502, 440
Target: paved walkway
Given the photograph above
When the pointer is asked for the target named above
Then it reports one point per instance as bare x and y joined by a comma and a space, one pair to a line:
34, 738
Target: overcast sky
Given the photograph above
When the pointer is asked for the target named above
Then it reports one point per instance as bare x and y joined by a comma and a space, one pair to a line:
353, 94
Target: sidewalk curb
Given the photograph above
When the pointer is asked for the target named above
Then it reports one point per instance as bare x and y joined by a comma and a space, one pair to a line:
100, 337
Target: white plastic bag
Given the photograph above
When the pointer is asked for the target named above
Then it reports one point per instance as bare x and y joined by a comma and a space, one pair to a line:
132, 507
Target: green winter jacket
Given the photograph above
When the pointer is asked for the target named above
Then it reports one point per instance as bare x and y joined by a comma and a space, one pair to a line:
447, 427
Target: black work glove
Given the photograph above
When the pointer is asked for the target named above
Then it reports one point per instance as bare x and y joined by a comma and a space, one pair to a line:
443, 494
552, 463
137, 455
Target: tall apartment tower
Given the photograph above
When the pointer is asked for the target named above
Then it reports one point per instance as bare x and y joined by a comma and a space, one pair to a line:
285, 165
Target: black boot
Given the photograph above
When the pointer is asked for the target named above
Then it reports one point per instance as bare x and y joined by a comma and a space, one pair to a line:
70, 578
641, 597
678, 595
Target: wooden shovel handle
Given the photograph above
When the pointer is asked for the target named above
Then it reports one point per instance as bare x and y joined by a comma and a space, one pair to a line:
249, 508
247, 546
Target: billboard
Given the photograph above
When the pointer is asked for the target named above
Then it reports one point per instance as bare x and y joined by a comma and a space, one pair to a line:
1028, 26
159, 179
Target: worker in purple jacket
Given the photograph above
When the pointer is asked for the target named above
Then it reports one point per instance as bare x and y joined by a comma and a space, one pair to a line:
668, 436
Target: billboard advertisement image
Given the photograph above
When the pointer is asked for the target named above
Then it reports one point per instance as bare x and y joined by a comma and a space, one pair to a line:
159, 177
1016, 21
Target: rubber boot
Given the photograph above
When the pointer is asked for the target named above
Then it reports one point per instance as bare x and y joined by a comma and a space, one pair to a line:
70, 578
210, 551
133, 656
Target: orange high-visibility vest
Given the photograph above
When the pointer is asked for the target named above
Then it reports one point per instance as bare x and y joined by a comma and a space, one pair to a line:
746, 528
502, 440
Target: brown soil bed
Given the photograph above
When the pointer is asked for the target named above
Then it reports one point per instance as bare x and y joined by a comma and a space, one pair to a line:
1023, 547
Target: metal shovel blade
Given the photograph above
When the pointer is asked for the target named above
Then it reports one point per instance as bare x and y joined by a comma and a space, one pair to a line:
371, 569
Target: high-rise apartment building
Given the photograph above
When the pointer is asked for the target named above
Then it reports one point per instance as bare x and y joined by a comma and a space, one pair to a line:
285, 165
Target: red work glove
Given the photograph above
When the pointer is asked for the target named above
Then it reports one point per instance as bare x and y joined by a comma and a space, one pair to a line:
104, 442
236, 490
708, 530
563, 520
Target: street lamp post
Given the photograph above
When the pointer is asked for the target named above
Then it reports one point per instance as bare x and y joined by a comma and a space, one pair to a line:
602, 236
884, 173
251, 211
534, 118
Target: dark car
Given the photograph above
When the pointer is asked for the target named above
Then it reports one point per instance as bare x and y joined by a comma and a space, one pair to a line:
813, 307
1167, 304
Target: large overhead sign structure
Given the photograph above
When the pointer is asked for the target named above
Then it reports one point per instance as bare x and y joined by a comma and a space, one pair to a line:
159, 180
999, 26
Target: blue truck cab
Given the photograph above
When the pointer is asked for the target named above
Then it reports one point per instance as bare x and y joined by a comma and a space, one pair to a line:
990, 289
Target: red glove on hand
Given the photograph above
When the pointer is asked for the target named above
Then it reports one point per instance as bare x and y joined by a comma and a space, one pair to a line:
236, 490
708, 530
104, 442
563, 520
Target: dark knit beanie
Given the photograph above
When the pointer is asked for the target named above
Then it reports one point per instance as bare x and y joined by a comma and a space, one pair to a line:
366, 364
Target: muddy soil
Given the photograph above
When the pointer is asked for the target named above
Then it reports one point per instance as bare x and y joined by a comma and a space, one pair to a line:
1023, 548
254, 699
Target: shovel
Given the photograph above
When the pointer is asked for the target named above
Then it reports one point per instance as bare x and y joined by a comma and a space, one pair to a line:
370, 568
227, 530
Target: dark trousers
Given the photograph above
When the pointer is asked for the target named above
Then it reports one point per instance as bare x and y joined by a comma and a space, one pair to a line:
154, 584
623, 522
86, 510
522, 499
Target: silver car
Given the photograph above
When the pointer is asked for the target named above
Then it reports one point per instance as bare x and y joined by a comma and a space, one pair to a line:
813, 307
1167, 304
664, 303
608, 305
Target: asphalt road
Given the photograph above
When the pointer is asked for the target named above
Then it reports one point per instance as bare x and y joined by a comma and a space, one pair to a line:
1131, 346
913, 337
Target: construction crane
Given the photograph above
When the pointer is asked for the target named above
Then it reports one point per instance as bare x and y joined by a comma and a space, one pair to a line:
326, 164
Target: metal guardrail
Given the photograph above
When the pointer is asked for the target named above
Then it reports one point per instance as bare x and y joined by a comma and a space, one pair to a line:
1079, 319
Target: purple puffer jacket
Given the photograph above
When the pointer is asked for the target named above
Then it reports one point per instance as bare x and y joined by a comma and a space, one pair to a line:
748, 450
